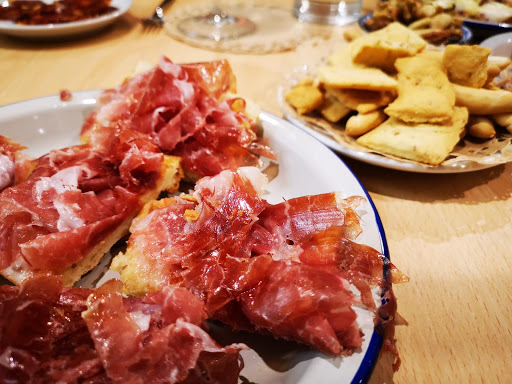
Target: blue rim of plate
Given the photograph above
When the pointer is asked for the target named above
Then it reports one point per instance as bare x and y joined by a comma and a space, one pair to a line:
369, 361
371, 357
467, 34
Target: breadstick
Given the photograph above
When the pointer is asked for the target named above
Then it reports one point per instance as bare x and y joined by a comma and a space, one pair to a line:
501, 62
480, 101
492, 72
361, 123
504, 120
481, 127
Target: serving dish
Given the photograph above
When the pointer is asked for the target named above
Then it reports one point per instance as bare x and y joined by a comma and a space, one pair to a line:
74, 28
467, 156
49, 123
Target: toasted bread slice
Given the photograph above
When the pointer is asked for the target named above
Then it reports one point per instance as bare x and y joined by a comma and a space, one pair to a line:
137, 278
170, 176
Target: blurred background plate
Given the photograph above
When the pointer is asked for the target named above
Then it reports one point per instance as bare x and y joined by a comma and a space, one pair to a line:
50, 31
501, 45
467, 34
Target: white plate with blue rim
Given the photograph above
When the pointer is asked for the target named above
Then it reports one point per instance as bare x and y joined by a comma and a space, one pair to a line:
49, 123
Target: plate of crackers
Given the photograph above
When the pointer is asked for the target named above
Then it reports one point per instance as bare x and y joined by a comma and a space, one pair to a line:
388, 98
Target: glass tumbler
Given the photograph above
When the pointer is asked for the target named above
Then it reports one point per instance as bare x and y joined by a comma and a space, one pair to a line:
333, 12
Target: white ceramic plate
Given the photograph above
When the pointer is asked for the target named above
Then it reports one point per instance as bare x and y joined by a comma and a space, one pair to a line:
305, 167
501, 45
46, 31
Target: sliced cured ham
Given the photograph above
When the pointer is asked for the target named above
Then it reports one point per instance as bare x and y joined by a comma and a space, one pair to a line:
215, 77
77, 203
181, 108
289, 270
14, 166
68, 335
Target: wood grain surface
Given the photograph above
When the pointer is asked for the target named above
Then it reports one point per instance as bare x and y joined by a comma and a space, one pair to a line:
451, 234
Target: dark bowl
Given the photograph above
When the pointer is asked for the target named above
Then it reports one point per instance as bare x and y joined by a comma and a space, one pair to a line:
488, 25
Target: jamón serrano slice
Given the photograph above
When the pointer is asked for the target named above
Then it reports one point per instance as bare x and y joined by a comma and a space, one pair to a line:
14, 165
53, 334
188, 111
290, 270
77, 203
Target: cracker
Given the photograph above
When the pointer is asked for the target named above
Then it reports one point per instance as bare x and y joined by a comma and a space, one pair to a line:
342, 57
356, 78
305, 98
380, 49
333, 110
425, 143
424, 93
466, 64
361, 100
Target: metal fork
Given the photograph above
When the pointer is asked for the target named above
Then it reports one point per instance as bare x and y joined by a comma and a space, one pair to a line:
157, 19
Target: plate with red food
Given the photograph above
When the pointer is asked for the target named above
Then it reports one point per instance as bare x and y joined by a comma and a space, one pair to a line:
270, 265
58, 18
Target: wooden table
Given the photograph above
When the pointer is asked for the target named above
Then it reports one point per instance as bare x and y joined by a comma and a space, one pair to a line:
450, 233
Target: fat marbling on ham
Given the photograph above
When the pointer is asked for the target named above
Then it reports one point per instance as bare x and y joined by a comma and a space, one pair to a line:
14, 166
51, 334
286, 270
185, 110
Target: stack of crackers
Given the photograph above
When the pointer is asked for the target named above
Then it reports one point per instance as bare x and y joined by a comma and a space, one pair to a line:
399, 98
